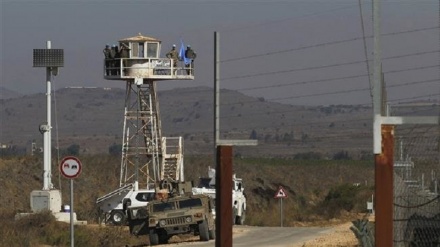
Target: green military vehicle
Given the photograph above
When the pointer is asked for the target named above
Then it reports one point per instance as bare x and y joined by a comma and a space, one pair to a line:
162, 219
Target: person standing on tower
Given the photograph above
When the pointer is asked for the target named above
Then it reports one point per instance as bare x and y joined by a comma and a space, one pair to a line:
190, 54
174, 56
107, 50
124, 54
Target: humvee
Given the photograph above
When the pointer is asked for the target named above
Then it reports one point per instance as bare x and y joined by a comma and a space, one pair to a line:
162, 219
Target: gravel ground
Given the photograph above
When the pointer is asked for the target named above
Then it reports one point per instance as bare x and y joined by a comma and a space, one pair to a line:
342, 236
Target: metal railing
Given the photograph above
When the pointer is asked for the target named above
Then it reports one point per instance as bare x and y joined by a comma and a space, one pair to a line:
145, 68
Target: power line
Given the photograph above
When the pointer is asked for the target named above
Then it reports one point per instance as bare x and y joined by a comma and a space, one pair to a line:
314, 81
322, 123
342, 91
288, 19
335, 79
365, 48
327, 44
400, 100
325, 66
361, 105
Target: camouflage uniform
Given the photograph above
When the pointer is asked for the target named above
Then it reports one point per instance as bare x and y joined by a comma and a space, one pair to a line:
189, 53
107, 57
124, 53
173, 55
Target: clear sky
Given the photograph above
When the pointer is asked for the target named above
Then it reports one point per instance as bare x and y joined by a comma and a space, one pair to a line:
287, 51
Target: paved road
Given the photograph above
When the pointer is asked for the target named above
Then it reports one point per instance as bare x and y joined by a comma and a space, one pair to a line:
267, 236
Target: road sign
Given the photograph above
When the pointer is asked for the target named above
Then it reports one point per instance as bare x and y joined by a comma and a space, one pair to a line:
70, 167
281, 193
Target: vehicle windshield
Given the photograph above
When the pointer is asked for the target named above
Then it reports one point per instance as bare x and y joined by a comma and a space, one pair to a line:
204, 183
163, 206
145, 196
190, 203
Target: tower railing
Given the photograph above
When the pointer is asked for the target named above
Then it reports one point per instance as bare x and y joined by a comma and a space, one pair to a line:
148, 68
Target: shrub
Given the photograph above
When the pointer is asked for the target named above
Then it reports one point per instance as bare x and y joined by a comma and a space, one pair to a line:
345, 197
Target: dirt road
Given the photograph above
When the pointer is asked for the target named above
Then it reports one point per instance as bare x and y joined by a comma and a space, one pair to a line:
284, 237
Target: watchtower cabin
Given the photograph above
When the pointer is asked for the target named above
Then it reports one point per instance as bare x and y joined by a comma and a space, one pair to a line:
137, 58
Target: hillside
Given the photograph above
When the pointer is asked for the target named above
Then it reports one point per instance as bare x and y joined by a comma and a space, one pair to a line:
93, 119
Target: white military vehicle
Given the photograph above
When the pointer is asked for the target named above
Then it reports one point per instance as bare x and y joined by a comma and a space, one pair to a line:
115, 204
207, 186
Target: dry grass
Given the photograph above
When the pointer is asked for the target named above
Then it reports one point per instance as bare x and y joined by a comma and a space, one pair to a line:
307, 184
42, 228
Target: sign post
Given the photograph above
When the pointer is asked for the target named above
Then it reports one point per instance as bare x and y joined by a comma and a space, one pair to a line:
71, 167
281, 193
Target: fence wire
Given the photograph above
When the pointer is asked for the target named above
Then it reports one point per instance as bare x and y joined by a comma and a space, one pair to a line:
417, 186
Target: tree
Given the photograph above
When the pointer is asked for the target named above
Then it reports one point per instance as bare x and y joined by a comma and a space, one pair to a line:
253, 135
341, 155
115, 149
72, 149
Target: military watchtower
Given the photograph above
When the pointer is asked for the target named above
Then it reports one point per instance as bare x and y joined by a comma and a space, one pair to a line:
147, 157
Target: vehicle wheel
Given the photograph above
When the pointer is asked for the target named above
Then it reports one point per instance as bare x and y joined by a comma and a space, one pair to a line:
212, 234
234, 215
241, 219
203, 231
154, 238
163, 238
117, 217
127, 204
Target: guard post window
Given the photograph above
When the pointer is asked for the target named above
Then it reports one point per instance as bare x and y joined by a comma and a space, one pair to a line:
152, 50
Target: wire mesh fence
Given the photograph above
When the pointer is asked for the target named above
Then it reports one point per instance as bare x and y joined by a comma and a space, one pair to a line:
417, 186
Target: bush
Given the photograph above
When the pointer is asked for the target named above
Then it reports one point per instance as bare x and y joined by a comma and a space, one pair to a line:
73, 149
341, 155
42, 229
344, 197
308, 156
115, 149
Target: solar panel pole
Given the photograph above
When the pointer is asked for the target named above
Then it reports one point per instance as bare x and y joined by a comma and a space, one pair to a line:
47, 136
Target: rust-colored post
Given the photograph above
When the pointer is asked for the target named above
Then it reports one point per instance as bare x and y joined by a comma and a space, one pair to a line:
384, 164
223, 203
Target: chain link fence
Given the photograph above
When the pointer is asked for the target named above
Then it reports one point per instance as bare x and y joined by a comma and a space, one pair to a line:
417, 186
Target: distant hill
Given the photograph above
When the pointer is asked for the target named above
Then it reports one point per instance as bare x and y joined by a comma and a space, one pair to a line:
93, 119
8, 94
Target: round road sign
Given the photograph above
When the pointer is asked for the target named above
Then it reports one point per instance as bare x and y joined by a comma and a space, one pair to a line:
70, 167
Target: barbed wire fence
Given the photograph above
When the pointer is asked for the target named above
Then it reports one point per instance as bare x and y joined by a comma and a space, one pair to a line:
417, 186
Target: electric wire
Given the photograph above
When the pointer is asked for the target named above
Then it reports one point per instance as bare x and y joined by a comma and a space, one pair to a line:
365, 49
57, 139
336, 92
334, 79
325, 66
327, 44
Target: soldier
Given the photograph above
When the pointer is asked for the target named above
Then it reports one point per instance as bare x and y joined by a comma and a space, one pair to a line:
113, 62
124, 53
173, 55
107, 57
190, 54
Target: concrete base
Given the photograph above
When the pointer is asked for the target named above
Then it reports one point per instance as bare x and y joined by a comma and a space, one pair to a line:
59, 216
45, 200
65, 217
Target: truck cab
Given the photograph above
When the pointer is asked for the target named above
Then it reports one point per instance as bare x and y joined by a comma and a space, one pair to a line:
206, 186
162, 219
